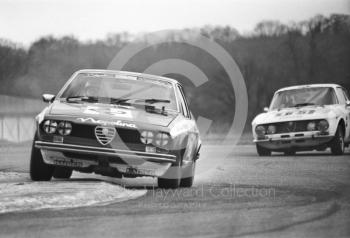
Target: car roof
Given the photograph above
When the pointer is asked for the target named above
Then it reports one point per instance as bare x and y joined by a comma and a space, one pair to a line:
127, 73
326, 85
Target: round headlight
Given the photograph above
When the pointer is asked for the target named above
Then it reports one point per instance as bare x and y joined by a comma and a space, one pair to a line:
146, 137
64, 128
323, 125
271, 129
260, 130
162, 139
311, 126
50, 126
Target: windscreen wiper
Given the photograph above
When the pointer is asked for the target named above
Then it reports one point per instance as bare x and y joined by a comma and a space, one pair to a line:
153, 100
153, 109
303, 104
120, 101
81, 98
136, 100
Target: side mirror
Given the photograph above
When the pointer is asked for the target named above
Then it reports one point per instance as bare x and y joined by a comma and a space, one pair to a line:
266, 109
347, 104
48, 97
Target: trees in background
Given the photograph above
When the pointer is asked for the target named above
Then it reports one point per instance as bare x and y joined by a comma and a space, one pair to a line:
274, 55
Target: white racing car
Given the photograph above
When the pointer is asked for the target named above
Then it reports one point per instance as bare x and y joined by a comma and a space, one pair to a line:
304, 118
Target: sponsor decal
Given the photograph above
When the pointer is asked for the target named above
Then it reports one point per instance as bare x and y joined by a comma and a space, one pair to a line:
117, 123
110, 111
299, 112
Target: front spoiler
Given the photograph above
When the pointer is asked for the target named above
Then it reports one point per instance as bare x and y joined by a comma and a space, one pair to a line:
133, 162
153, 157
294, 140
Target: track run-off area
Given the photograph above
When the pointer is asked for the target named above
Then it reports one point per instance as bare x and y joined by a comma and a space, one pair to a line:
306, 195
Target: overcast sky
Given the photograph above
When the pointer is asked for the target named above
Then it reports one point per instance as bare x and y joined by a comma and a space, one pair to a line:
24, 21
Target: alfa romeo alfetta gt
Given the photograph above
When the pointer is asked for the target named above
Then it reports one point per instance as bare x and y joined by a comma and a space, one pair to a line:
117, 124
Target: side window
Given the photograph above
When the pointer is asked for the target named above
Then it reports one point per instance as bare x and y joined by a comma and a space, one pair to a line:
183, 102
335, 99
341, 96
346, 94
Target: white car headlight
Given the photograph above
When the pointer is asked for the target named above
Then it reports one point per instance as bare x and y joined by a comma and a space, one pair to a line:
50, 126
147, 137
323, 125
260, 130
64, 128
311, 126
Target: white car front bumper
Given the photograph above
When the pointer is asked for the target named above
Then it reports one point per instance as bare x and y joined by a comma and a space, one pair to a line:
298, 140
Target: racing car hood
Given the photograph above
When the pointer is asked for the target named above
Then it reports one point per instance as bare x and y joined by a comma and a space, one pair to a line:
295, 114
107, 112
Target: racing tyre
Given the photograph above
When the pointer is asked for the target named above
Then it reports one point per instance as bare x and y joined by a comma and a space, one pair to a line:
187, 174
262, 151
187, 182
172, 178
338, 143
168, 183
39, 171
62, 173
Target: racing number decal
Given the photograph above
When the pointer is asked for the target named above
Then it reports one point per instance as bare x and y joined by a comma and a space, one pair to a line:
120, 113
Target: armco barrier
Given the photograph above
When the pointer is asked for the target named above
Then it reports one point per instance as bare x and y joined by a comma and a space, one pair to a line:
17, 115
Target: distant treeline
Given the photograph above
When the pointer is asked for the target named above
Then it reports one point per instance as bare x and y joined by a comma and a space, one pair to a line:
274, 55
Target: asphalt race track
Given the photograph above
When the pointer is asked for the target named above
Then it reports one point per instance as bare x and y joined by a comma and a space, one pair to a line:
243, 195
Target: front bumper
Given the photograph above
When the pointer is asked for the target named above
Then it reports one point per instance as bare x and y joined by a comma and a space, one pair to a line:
125, 161
295, 140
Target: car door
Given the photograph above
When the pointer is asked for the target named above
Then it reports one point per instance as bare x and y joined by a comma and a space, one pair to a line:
345, 110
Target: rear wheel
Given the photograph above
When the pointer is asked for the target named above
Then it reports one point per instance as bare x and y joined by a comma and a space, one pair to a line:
39, 171
62, 173
338, 143
262, 151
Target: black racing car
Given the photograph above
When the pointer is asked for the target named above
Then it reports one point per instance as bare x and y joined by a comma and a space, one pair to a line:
117, 124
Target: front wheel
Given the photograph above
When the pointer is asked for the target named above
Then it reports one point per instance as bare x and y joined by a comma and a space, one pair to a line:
39, 171
262, 151
187, 174
338, 143
171, 179
187, 182
62, 173
168, 183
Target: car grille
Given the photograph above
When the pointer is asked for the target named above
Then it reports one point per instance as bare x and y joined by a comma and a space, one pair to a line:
128, 136
290, 126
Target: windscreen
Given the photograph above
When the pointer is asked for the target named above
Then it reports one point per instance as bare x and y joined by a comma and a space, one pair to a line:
110, 88
303, 97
